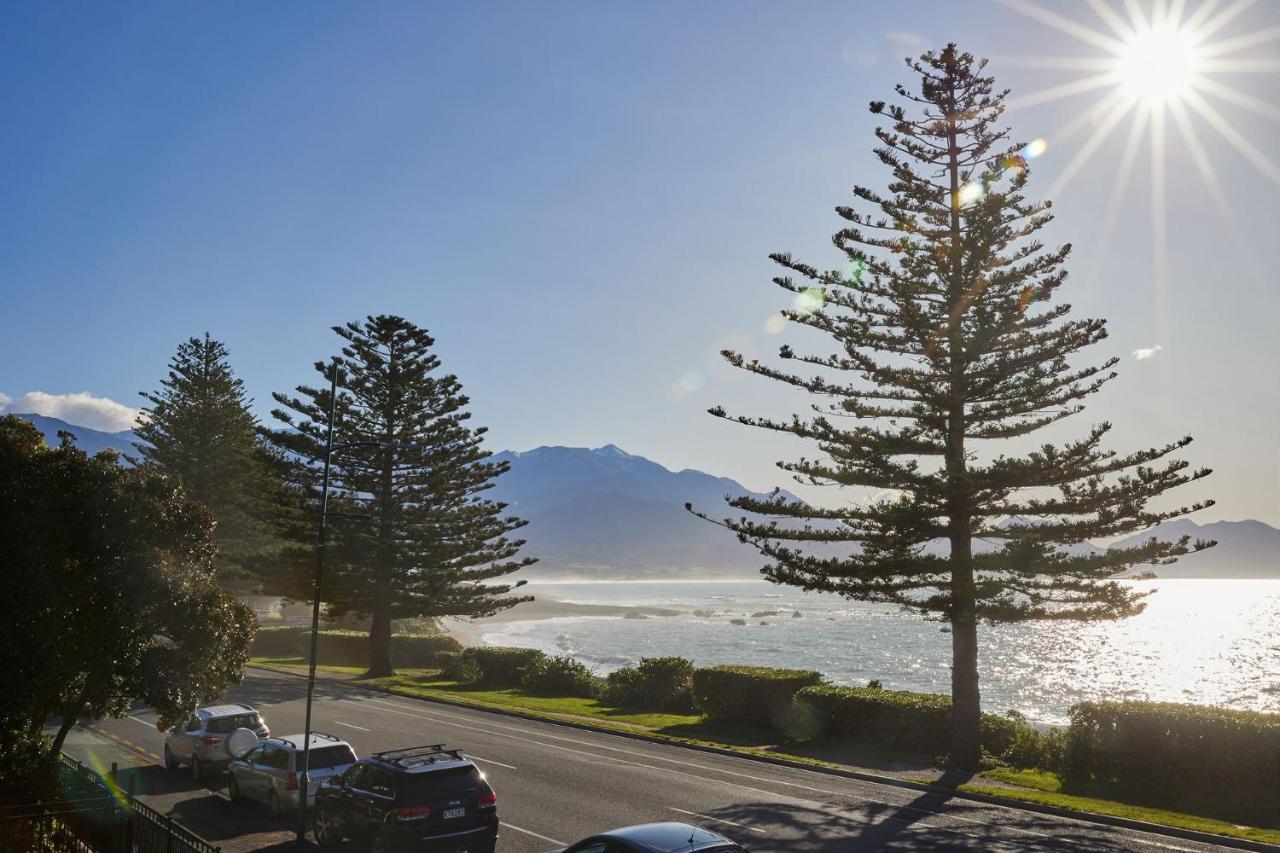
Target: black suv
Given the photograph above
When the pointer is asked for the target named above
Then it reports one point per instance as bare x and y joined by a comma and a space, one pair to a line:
420, 798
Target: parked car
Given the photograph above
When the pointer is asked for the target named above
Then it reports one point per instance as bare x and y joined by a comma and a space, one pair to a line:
420, 798
655, 838
201, 741
271, 772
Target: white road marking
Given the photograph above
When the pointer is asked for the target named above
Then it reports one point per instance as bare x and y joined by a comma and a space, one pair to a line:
144, 722
545, 838
487, 760
351, 725
718, 820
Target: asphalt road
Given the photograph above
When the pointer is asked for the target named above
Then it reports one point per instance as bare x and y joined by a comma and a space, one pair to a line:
556, 784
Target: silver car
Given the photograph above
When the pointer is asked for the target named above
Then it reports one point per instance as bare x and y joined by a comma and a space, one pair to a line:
271, 771
201, 741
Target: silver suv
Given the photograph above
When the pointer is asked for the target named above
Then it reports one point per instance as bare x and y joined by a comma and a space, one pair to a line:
201, 740
272, 771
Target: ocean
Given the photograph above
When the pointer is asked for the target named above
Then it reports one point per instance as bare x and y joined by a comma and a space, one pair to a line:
1210, 642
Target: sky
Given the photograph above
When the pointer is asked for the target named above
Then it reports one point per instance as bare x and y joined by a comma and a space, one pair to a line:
578, 201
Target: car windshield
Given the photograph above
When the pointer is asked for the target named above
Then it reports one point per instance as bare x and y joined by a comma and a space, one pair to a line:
329, 756
222, 725
424, 788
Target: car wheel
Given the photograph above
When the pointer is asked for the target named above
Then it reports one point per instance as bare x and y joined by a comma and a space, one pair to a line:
170, 763
197, 773
233, 787
274, 802
326, 833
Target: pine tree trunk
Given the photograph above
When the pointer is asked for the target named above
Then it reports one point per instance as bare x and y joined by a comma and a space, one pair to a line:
966, 704
380, 640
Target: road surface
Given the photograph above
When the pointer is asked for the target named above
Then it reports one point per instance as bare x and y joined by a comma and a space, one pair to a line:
556, 784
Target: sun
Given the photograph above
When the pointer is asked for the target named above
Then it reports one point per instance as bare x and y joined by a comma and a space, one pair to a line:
1159, 65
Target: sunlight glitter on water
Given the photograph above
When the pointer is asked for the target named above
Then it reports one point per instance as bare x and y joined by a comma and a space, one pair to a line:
1211, 642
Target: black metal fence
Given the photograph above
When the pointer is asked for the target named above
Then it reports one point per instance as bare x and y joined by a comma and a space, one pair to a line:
92, 813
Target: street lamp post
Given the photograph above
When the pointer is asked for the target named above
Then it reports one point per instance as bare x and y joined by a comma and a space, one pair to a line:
305, 782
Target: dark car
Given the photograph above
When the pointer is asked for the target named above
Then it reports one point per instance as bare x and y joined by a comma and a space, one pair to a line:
655, 838
420, 798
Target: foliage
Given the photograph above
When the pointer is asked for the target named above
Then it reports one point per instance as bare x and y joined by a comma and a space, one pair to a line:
501, 666
946, 345
756, 695
459, 666
914, 723
351, 648
278, 641
411, 533
1187, 757
198, 429
657, 684
561, 675
109, 592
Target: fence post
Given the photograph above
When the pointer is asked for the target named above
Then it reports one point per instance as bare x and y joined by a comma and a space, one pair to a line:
168, 844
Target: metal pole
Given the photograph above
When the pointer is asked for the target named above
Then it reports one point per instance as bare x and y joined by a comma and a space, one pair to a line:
304, 783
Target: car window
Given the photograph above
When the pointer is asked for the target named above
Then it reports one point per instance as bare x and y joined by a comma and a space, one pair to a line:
228, 724
324, 757
436, 785
592, 847
275, 758
192, 725
378, 781
354, 777
252, 755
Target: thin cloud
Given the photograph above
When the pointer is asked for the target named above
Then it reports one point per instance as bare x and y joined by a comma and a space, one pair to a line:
1146, 352
82, 409
905, 41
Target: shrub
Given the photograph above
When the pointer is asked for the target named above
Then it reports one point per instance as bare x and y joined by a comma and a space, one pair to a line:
916, 723
421, 650
1188, 757
502, 666
656, 684
337, 647
755, 695
558, 676
458, 666
277, 642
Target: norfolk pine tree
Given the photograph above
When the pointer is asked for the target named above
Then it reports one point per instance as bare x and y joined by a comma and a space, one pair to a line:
198, 429
948, 338
426, 543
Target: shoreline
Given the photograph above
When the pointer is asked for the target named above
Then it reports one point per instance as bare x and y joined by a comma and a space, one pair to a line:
468, 631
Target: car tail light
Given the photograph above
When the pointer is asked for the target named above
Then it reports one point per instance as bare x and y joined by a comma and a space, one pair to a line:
412, 812
291, 782
266, 732
488, 798
210, 740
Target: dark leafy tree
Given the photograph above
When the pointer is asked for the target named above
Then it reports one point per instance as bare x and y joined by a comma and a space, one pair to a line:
426, 542
949, 340
109, 592
198, 428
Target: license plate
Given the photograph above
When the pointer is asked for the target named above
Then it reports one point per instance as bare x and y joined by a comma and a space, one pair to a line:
450, 813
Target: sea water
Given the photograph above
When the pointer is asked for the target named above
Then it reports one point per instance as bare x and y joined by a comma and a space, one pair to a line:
1212, 642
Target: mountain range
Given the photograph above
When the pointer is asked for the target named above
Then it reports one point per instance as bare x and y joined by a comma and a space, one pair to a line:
604, 513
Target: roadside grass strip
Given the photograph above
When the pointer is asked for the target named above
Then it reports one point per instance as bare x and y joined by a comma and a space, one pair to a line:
1015, 786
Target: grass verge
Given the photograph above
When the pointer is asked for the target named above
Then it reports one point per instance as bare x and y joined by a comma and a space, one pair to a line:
1028, 786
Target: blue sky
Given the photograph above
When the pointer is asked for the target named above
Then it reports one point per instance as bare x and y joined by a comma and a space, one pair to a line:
578, 200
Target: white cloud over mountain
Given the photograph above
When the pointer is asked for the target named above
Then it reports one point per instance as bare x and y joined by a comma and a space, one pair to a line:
80, 408
1146, 352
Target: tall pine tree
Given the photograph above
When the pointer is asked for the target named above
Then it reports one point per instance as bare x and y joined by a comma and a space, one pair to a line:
198, 429
949, 346
413, 534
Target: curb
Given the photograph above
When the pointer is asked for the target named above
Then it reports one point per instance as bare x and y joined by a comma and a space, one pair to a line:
860, 775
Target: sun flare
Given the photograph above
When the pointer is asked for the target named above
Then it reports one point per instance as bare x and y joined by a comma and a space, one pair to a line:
1159, 65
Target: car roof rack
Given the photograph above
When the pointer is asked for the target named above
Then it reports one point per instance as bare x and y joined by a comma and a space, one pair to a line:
418, 755
293, 743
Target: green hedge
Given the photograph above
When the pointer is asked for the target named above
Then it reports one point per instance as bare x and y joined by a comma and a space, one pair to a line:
1186, 757
277, 642
501, 666
351, 648
917, 723
755, 695
655, 684
558, 676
